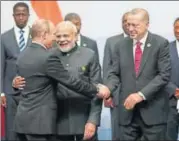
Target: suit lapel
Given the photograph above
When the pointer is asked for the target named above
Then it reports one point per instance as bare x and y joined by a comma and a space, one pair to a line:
146, 52
129, 48
13, 38
83, 41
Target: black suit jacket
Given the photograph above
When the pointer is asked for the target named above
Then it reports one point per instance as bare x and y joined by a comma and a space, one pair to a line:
42, 69
153, 76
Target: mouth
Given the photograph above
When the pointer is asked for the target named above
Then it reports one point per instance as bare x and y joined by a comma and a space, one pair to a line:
63, 45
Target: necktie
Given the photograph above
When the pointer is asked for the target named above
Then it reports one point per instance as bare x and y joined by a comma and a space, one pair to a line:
138, 57
21, 40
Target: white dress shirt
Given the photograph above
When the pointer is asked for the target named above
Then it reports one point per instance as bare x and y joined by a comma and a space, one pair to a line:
78, 40
26, 30
143, 40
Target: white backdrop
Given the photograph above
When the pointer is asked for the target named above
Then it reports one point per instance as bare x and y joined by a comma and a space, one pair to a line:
101, 19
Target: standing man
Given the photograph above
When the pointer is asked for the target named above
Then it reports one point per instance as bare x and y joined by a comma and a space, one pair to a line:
107, 64
141, 69
173, 87
82, 41
13, 42
36, 114
78, 118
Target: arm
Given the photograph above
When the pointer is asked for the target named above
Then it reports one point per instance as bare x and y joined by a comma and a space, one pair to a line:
2, 65
55, 70
113, 78
107, 62
96, 103
171, 88
162, 78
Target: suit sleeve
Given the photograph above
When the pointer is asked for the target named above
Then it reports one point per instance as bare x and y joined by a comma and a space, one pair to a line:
106, 59
163, 76
171, 88
2, 65
55, 70
113, 77
96, 103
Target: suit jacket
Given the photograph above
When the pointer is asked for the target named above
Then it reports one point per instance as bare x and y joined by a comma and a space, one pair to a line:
107, 60
174, 79
9, 54
153, 76
76, 112
90, 43
42, 69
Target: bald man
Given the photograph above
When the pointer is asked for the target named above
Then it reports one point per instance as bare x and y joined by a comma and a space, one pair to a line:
141, 69
36, 114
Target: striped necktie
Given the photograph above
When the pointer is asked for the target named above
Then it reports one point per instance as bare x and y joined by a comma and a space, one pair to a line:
21, 40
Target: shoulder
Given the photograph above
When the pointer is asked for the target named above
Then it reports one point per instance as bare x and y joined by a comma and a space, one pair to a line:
114, 37
6, 34
88, 39
158, 38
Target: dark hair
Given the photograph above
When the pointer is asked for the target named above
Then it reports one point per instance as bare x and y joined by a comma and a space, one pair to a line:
21, 4
71, 16
177, 19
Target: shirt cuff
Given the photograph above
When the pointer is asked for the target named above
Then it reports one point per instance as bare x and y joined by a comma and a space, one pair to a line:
2, 94
142, 95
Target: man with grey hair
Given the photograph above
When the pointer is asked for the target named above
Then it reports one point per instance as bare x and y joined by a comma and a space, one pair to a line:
82, 41
141, 69
112, 103
36, 114
78, 118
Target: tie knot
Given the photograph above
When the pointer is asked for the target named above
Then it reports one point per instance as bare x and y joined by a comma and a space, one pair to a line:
138, 43
21, 31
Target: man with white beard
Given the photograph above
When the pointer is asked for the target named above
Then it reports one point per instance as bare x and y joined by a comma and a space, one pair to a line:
79, 117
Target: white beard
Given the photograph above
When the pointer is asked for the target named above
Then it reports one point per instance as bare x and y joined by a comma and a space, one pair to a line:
68, 48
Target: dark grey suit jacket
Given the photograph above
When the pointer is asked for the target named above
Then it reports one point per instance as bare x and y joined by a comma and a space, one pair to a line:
174, 79
9, 54
154, 74
42, 69
107, 60
74, 113
90, 43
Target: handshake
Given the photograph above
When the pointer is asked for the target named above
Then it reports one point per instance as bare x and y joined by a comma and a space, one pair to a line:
103, 91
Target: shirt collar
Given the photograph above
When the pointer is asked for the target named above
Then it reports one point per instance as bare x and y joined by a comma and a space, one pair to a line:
143, 40
125, 35
177, 43
25, 29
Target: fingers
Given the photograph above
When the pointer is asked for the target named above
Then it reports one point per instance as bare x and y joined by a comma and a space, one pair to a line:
3, 101
19, 82
89, 131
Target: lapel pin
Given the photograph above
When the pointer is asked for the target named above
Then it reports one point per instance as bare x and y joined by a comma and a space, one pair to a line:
148, 45
84, 45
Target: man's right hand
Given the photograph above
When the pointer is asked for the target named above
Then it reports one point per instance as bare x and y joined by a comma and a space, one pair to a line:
3, 100
104, 91
18, 82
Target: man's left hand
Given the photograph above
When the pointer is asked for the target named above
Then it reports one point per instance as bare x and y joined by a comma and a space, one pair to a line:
132, 100
89, 132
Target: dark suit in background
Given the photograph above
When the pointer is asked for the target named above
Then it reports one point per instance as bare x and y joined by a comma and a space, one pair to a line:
89, 43
107, 64
74, 113
9, 53
36, 113
173, 117
149, 116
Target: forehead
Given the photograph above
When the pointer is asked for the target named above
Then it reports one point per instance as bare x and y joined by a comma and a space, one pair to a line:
64, 30
21, 9
135, 18
177, 23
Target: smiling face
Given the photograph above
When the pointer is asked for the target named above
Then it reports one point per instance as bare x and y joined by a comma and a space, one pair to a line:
66, 36
137, 24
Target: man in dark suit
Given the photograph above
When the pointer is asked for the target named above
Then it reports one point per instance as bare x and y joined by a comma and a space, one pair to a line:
107, 63
13, 42
36, 113
173, 87
141, 69
78, 118
82, 41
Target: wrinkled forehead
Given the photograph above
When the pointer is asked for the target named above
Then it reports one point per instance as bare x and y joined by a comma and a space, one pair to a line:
65, 30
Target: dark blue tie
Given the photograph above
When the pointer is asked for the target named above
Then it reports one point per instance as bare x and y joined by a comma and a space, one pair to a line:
21, 41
